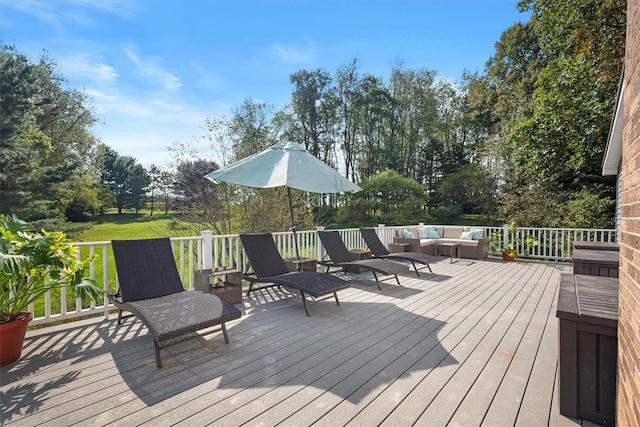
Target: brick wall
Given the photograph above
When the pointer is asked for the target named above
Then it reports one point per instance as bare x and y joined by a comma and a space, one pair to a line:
628, 388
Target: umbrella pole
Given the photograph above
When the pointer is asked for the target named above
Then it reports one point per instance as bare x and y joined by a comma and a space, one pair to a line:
293, 224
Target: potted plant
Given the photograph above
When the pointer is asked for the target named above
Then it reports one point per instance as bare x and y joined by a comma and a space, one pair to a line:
509, 250
31, 264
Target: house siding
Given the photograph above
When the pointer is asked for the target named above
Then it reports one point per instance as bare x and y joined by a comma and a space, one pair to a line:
628, 386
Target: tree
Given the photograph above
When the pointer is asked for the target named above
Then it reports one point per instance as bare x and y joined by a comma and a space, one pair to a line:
196, 197
575, 92
387, 198
472, 188
81, 201
137, 182
155, 185
124, 178
311, 88
250, 129
44, 136
347, 82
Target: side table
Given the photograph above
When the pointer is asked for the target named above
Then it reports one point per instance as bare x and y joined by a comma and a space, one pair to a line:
300, 264
358, 255
221, 281
399, 247
451, 247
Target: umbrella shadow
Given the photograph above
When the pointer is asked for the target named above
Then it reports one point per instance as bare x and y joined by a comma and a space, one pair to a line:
336, 349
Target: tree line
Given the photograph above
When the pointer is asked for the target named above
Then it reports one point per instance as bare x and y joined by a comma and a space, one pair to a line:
524, 140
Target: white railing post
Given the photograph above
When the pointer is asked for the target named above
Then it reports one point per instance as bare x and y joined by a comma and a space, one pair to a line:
207, 249
505, 235
319, 247
382, 233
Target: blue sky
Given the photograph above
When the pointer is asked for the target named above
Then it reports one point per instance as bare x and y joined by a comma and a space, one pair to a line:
155, 69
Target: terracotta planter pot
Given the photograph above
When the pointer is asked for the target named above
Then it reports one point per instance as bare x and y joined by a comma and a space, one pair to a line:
507, 257
12, 338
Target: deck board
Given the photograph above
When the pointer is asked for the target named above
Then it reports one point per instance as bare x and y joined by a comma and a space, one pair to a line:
473, 343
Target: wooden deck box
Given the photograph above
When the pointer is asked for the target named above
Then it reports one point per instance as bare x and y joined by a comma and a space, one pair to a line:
588, 321
596, 262
596, 246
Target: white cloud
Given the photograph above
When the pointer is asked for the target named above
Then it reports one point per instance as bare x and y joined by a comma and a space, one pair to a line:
292, 54
77, 12
149, 68
83, 65
206, 77
144, 127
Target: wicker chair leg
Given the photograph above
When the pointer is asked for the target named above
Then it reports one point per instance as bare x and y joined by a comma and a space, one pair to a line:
416, 268
224, 332
335, 294
119, 316
397, 280
430, 270
304, 302
157, 347
375, 276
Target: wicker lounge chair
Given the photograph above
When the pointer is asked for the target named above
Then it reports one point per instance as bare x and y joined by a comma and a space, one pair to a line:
269, 267
380, 251
151, 289
339, 256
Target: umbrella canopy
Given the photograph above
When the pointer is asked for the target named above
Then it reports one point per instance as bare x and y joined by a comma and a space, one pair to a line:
284, 164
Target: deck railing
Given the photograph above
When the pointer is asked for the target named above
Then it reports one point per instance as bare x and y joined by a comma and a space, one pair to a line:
210, 251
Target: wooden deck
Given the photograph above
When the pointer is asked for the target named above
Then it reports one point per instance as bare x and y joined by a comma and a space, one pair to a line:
473, 344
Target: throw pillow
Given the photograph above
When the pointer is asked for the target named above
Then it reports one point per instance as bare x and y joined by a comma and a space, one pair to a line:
433, 234
466, 235
407, 234
478, 233
423, 233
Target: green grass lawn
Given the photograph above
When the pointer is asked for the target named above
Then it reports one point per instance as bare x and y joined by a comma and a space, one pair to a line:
129, 226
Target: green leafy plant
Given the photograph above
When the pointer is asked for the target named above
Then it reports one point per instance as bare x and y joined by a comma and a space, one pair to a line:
33, 263
496, 242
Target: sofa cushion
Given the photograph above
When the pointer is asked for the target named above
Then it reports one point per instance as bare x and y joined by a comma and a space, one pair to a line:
407, 234
433, 234
452, 232
423, 233
478, 233
466, 235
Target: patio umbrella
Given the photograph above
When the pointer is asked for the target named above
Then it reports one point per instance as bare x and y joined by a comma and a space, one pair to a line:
285, 164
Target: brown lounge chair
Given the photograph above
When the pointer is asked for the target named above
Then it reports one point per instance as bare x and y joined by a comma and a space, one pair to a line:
339, 256
269, 267
151, 289
378, 250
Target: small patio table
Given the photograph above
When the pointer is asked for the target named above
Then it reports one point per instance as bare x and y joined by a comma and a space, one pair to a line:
451, 247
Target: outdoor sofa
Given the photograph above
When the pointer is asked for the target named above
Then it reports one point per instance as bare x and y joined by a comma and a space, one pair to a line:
424, 239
